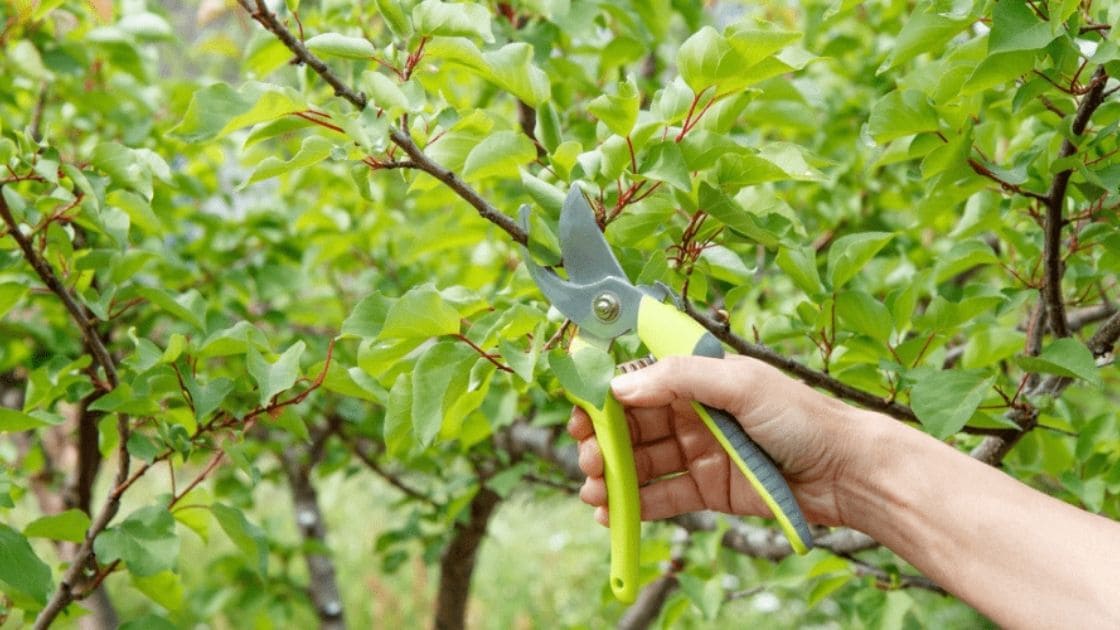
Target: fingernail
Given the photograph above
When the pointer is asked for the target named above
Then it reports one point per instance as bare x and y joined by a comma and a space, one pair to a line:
625, 384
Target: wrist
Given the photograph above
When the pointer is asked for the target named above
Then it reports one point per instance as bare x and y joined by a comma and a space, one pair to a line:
866, 484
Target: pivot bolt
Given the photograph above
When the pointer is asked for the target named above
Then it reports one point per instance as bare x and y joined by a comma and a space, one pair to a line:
606, 307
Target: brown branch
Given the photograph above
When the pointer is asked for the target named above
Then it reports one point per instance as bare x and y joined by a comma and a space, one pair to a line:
804, 372
1055, 202
980, 169
362, 449
1104, 339
1098, 28
892, 581
399, 135
64, 594
77, 312
484, 354
268, 19
322, 582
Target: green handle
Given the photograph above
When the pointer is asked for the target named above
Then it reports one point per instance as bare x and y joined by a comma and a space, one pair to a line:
667, 331
623, 508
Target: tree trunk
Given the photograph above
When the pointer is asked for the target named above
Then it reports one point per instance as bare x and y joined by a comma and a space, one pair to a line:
322, 585
457, 564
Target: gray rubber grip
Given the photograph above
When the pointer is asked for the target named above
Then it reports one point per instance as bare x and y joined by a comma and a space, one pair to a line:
764, 469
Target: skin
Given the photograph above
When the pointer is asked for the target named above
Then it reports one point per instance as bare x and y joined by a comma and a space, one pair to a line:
1020, 557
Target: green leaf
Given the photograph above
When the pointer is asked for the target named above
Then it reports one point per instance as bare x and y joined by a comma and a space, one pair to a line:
991, 344
925, 31
422, 312
313, 150
23, 576
618, 111
586, 375
997, 69
944, 400
501, 154
249, 538
547, 128
755, 45
704, 59
397, 430
431, 378
368, 316
10, 295
1015, 27
963, 256
864, 314
850, 253
385, 93
901, 113
208, 397
338, 45
273, 378
217, 110
666, 163
164, 588
124, 166
14, 420
523, 364
188, 307
511, 67
823, 588
433, 17
1064, 357
70, 525
800, 265
145, 541
741, 220
395, 18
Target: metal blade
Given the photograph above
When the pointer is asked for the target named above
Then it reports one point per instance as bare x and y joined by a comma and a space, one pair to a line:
576, 300
587, 256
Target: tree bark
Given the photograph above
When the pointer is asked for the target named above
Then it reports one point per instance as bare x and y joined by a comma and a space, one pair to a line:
457, 563
322, 585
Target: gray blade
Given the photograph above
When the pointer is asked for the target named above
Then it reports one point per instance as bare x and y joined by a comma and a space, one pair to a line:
587, 256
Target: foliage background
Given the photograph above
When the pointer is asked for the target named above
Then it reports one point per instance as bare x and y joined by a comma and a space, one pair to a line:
268, 355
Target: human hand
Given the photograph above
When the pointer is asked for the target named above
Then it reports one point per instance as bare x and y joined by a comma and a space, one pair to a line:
682, 468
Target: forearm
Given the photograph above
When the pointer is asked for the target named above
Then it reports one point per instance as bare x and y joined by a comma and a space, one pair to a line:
1022, 558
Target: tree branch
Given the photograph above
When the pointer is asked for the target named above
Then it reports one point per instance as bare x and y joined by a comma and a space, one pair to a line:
804, 372
322, 583
400, 136
77, 312
1103, 340
981, 169
360, 448
994, 448
64, 594
1055, 202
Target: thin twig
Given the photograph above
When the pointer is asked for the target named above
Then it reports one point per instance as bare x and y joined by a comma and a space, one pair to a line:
399, 135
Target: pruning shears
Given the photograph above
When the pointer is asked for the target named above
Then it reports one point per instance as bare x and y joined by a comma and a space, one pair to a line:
599, 298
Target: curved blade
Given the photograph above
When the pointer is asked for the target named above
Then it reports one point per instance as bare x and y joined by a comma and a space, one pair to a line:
575, 300
587, 256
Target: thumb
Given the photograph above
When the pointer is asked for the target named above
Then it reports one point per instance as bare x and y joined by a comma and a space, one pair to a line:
719, 383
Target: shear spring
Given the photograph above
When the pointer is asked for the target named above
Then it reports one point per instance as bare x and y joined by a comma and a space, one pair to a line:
636, 364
